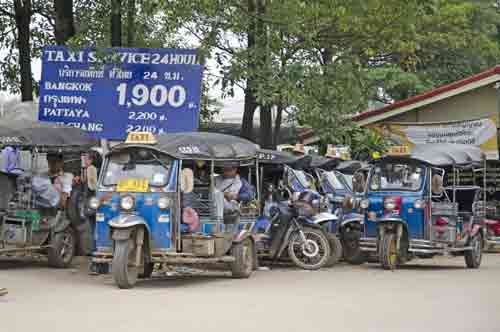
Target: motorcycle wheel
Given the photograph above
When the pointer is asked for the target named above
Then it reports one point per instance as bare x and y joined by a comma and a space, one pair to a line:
474, 256
388, 253
243, 265
311, 255
62, 248
124, 272
352, 253
336, 250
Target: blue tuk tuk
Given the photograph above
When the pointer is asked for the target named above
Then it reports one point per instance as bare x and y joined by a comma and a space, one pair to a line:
415, 206
157, 202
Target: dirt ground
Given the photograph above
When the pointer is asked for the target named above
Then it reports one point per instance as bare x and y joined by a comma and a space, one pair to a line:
431, 295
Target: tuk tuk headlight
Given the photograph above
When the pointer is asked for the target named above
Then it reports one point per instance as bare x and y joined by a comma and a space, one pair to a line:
164, 203
364, 204
94, 203
127, 203
390, 204
419, 204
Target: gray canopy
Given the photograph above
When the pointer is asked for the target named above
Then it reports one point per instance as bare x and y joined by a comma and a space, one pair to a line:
43, 135
445, 154
203, 146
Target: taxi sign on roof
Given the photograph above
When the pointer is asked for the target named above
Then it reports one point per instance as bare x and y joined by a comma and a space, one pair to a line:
398, 150
141, 138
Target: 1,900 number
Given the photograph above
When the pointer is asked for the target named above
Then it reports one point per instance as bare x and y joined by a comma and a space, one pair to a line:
158, 95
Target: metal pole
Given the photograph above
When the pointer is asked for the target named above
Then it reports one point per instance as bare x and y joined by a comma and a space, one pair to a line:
212, 190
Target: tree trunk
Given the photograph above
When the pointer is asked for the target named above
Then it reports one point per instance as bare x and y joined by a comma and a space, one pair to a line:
266, 129
248, 113
65, 25
116, 23
22, 12
277, 125
250, 99
130, 23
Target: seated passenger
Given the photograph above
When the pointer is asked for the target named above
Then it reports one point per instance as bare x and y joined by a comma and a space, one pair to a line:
230, 184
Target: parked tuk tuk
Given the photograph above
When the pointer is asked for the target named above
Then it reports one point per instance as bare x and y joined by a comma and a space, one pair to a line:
34, 202
343, 187
159, 200
410, 213
288, 227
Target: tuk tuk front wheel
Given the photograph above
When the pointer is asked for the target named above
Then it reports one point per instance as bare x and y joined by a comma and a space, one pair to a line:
335, 250
243, 265
474, 256
350, 246
388, 253
123, 267
311, 254
62, 248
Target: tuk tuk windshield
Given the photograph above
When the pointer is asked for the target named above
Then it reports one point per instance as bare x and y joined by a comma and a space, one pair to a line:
397, 176
339, 181
137, 164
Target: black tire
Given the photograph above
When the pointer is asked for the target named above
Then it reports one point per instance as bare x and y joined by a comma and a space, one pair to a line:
124, 274
102, 268
76, 206
388, 255
313, 257
473, 257
243, 253
351, 250
335, 250
62, 248
148, 271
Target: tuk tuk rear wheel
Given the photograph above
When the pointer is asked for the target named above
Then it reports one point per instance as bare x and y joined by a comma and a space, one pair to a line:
335, 250
474, 256
124, 272
388, 253
243, 265
62, 248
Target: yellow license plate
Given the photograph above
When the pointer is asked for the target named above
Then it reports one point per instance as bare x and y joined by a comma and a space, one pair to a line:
134, 185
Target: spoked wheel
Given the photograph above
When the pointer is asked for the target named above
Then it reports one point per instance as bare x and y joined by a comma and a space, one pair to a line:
62, 248
125, 272
474, 256
244, 264
311, 254
335, 250
350, 245
388, 253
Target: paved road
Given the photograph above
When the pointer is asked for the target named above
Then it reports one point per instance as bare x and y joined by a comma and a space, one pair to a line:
432, 295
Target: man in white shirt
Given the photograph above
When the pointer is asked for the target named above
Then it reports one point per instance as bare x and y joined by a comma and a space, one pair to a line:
229, 183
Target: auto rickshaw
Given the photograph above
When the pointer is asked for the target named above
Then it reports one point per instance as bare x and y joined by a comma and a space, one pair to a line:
154, 207
410, 213
33, 212
342, 184
291, 212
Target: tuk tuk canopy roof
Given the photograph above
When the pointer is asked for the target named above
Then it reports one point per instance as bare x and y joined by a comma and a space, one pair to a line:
44, 136
324, 162
444, 154
202, 146
350, 166
275, 157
